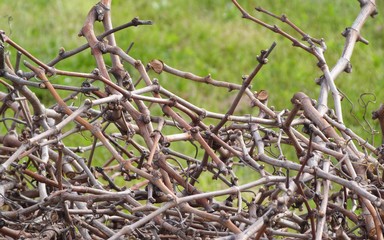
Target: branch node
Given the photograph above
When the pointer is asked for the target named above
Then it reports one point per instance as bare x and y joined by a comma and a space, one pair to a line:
284, 18
348, 67
61, 51
96, 72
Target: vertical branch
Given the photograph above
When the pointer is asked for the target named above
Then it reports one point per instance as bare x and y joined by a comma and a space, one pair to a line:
324, 204
96, 13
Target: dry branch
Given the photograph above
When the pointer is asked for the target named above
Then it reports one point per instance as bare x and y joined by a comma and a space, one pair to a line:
138, 177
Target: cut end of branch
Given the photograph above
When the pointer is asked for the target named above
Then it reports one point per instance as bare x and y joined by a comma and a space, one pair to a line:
157, 66
379, 113
262, 96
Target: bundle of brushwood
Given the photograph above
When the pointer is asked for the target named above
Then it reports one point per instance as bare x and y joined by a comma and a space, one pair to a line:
138, 178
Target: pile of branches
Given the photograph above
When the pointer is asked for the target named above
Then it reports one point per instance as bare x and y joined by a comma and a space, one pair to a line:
138, 179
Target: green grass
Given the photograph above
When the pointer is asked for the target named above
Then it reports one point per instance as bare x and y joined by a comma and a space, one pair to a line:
210, 37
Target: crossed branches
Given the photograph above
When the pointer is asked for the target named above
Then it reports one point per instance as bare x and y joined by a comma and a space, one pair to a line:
138, 177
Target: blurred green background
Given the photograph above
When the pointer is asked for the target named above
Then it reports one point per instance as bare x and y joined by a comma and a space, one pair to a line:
210, 37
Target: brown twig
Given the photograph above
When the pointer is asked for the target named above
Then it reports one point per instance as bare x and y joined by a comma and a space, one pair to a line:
152, 164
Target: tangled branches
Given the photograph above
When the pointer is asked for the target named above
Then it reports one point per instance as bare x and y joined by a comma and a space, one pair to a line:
140, 178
